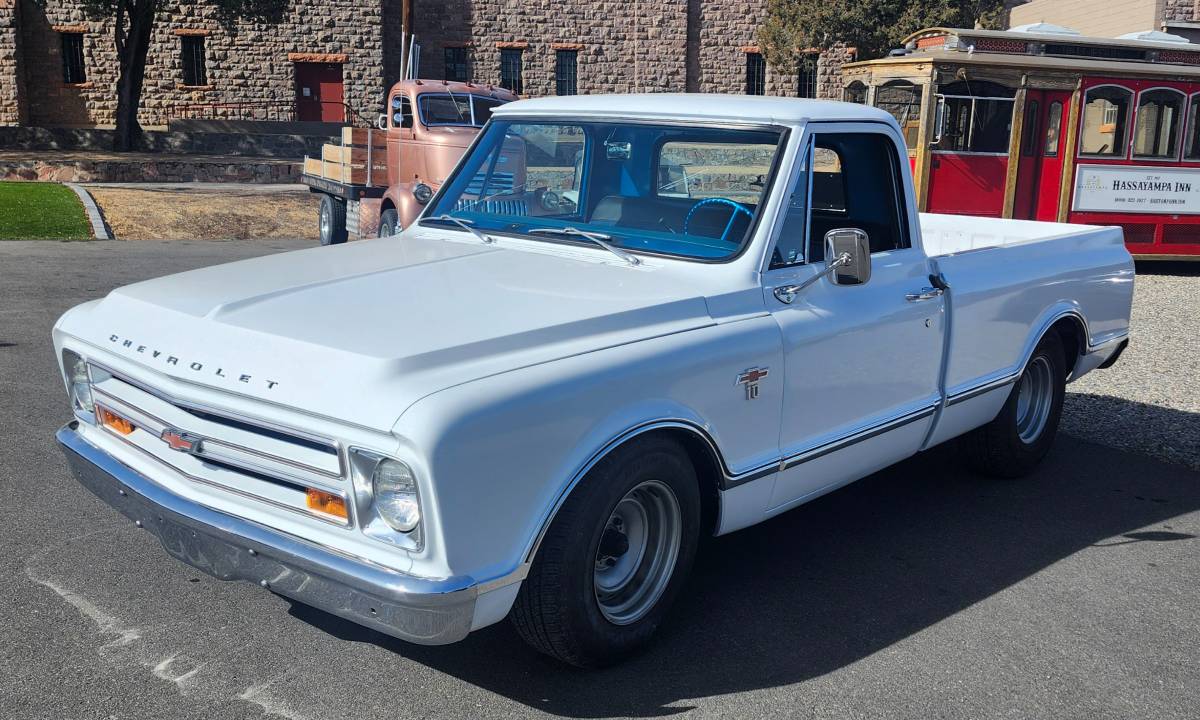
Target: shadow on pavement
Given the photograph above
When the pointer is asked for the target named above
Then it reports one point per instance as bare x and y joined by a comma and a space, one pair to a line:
838, 579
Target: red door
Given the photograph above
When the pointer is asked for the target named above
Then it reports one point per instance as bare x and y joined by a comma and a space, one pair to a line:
319, 92
1039, 174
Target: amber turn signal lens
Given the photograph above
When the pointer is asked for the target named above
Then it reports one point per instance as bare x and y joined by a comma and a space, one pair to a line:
327, 503
114, 421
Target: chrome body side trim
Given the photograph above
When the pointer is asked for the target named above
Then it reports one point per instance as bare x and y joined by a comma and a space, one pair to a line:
856, 437
429, 611
981, 388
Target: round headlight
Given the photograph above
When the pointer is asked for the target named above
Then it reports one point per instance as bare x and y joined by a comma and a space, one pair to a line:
422, 193
79, 382
395, 491
397, 118
396, 103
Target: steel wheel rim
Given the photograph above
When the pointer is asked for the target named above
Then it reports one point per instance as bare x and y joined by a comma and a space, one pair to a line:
326, 223
637, 552
1035, 396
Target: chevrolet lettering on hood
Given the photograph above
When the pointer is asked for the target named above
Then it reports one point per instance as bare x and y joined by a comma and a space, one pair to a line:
194, 366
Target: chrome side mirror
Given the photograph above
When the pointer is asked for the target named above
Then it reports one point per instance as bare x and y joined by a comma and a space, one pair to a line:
850, 249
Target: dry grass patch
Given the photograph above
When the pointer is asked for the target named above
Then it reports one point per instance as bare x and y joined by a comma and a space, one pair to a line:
142, 214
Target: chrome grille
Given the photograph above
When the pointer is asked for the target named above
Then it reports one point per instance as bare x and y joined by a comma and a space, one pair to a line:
245, 456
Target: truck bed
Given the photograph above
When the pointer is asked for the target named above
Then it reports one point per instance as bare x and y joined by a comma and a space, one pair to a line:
951, 234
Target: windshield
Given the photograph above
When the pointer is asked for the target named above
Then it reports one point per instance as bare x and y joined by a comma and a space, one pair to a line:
455, 109
677, 190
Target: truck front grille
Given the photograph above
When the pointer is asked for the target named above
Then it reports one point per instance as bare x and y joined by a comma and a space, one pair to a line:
241, 455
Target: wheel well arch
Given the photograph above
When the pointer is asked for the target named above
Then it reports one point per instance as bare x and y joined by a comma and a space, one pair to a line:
1072, 331
701, 451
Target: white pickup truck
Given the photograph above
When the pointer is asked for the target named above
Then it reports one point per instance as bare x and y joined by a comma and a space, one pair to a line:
693, 313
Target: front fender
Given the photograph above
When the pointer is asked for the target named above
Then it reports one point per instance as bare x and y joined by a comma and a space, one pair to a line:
406, 205
503, 452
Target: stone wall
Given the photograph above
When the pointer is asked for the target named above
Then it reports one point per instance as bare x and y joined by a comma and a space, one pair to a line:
623, 46
12, 85
247, 61
1180, 11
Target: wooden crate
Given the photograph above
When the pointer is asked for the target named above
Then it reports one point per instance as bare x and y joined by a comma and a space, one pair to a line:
353, 156
362, 136
349, 174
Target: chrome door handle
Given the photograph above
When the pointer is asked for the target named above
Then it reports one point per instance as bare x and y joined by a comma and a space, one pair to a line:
927, 293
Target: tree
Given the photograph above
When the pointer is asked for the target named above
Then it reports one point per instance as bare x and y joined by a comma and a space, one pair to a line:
871, 26
133, 24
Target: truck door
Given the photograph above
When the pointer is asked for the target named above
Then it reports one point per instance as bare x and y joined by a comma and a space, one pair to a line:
1039, 174
861, 361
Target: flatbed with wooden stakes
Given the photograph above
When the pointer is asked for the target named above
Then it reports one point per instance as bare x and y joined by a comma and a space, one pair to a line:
355, 168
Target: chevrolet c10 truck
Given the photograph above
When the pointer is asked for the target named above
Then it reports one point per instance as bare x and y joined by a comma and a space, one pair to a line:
692, 314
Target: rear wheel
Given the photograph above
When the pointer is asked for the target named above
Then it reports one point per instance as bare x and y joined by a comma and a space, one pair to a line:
332, 221
1015, 442
614, 558
389, 223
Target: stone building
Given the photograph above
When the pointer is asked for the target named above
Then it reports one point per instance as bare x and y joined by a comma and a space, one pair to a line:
1179, 17
324, 59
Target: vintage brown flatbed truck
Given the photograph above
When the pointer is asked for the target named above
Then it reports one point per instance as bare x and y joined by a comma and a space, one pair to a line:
376, 181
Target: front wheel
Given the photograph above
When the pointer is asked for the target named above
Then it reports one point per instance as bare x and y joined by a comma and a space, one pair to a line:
389, 223
614, 558
1012, 445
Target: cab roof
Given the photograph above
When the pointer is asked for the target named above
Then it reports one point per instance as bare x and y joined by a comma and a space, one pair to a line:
755, 109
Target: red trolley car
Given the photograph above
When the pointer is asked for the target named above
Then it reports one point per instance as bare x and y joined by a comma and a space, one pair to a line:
1042, 123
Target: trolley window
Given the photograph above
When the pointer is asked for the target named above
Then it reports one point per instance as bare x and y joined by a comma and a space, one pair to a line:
1156, 134
1053, 129
975, 117
902, 99
1191, 148
855, 92
1105, 121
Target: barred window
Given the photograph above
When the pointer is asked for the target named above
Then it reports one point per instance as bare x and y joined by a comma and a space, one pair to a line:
510, 70
192, 50
806, 76
565, 72
72, 56
756, 74
456, 66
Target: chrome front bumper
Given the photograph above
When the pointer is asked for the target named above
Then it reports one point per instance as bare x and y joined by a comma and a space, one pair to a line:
419, 610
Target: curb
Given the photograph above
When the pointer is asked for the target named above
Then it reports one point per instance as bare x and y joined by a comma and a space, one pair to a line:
99, 229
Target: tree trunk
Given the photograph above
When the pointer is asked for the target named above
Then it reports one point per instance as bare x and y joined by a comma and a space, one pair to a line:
132, 55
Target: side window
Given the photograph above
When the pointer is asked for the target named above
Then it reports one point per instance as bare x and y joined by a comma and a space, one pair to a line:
855, 179
1103, 126
856, 184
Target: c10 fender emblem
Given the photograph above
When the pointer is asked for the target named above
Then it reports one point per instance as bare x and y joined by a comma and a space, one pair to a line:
749, 378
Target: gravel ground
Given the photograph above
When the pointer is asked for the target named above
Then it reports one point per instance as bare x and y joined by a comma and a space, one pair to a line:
1150, 400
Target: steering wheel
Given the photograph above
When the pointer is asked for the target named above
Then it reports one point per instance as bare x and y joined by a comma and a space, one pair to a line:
737, 208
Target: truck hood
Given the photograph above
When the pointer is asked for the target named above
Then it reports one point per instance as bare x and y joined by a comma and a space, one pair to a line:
359, 332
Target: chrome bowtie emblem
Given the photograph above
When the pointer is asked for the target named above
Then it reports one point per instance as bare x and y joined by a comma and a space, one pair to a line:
181, 441
749, 378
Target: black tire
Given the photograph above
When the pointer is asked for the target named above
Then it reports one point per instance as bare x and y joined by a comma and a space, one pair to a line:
389, 223
999, 449
558, 610
332, 221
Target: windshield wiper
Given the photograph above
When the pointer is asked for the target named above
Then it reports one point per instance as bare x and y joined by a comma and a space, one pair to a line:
598, 238
466, 225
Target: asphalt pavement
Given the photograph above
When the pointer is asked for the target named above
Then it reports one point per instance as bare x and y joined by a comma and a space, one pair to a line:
920, 592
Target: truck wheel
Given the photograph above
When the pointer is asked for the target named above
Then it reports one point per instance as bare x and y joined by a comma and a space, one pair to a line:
389, 223
614, 558
1014, 443
332, 221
